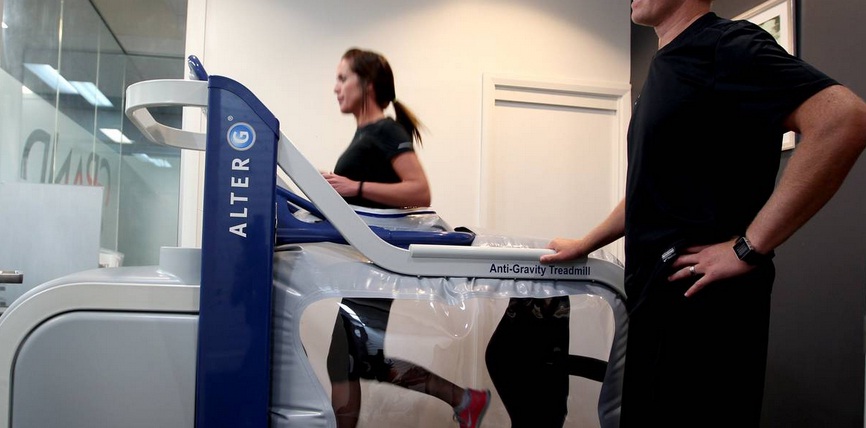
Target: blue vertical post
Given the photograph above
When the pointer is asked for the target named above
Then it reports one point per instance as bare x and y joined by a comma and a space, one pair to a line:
234, 336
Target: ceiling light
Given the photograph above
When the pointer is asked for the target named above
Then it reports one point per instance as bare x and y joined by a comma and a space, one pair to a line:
116, 136
92, 94
51, 78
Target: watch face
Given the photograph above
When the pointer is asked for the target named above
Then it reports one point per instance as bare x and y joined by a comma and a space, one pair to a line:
745, 252
742, 248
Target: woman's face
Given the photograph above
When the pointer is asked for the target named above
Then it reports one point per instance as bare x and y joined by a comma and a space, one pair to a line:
348, 88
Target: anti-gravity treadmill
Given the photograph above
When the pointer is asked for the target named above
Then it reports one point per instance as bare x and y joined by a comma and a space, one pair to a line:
237, 333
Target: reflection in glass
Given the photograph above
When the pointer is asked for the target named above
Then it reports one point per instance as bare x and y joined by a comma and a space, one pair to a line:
63, 75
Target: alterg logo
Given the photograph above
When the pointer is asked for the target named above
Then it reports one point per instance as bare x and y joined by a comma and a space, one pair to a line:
241, 136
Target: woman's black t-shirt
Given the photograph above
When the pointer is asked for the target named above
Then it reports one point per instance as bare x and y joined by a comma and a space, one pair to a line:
369, 155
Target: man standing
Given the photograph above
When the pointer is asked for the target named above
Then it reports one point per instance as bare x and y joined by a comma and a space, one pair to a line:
701, 215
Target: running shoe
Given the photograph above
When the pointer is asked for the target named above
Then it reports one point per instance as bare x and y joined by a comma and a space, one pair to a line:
470, 416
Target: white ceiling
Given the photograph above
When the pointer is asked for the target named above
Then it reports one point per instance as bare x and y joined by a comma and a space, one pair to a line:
146, 27
144, 37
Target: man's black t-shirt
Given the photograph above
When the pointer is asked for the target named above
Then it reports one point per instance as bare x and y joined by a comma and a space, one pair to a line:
369, 155
704, 142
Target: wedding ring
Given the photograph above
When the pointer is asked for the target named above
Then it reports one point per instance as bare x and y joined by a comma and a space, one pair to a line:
692, 270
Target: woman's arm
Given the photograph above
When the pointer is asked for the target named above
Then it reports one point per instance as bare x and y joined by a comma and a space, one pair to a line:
412, 190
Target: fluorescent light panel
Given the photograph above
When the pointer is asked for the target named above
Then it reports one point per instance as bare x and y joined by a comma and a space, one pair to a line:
92, 94
115, 135
51, 78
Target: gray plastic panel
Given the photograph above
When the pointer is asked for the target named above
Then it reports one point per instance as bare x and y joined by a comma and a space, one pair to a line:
103, 369
30, 224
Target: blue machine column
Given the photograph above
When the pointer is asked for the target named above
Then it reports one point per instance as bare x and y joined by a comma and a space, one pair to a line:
234, 335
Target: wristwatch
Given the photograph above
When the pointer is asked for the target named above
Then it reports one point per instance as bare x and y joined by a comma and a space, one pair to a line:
745, 252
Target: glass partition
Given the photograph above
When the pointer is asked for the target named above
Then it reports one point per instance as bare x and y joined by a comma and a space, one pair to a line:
63, 75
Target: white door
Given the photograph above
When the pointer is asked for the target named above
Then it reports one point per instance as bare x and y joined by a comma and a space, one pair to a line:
553, 157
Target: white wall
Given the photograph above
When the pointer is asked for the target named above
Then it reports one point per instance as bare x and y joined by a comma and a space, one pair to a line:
286, 52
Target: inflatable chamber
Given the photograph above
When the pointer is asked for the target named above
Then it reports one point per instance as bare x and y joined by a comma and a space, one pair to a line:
302, 311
